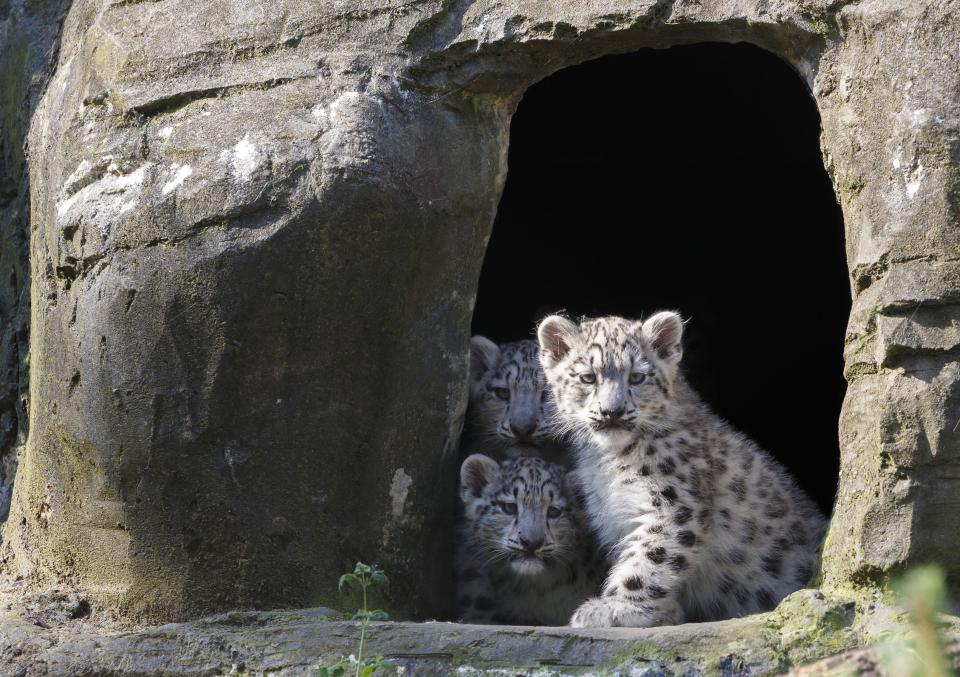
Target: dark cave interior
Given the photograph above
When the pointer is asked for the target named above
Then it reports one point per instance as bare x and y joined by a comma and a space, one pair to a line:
691, 179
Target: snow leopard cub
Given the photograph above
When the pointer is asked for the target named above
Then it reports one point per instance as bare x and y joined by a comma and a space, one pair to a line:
699, 522
524, 555
508, 393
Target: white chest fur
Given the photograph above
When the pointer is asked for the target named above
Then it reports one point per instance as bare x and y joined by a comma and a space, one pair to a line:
615, 509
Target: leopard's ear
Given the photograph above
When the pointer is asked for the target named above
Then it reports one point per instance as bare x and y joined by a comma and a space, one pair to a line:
556, 335
483, 357
662, 334
476, 473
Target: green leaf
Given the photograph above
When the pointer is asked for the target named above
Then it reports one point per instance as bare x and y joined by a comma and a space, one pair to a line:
371, 665
337, 670
378, 615
379, 578
348, 580
361, 615
362, 569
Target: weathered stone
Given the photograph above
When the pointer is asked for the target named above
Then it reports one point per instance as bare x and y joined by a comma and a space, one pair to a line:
257, 235
29, 39
807, 627
887, 92
916, 284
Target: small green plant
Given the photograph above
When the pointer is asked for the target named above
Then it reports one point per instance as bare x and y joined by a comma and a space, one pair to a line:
363, 578
923, 592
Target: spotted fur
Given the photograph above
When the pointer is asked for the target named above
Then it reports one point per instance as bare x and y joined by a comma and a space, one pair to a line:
524, 556
508, 395
699, 522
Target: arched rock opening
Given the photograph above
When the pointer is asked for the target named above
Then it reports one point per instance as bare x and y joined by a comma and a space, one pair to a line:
688, 178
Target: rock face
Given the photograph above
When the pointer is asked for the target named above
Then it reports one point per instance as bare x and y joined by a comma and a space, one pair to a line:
29, 39
257, 232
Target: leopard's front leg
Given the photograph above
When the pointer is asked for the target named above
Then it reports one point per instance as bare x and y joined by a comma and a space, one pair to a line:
643, 587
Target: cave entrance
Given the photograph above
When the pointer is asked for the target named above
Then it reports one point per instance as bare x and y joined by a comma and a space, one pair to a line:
688, 178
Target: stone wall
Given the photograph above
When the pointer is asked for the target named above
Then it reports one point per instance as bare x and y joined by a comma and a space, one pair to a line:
257, 231
29, 39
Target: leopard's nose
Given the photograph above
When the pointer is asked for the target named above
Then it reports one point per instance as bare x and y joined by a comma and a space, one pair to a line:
531, 543
612, 413
523, 429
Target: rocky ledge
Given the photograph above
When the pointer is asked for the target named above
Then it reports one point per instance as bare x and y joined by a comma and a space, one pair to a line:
56, 638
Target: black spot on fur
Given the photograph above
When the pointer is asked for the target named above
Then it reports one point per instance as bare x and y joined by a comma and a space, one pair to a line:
644, 470
703, 517
656, 502
738, 556
686, 538
739, 488
773, 564
655, 528
682, 515
798, 533
765, 599
657, 555
656, 592
633, 583
667, 466
669, 493
677, 562
611, 591
778, 507
749, 532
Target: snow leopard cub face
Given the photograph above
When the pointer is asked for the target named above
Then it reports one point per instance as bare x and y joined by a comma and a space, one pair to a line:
520, 513
508, 392
610, 376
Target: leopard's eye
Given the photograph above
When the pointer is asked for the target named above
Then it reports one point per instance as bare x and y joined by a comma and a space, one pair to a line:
589, 379
509, 508
553, 512
637, 377
502, 393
